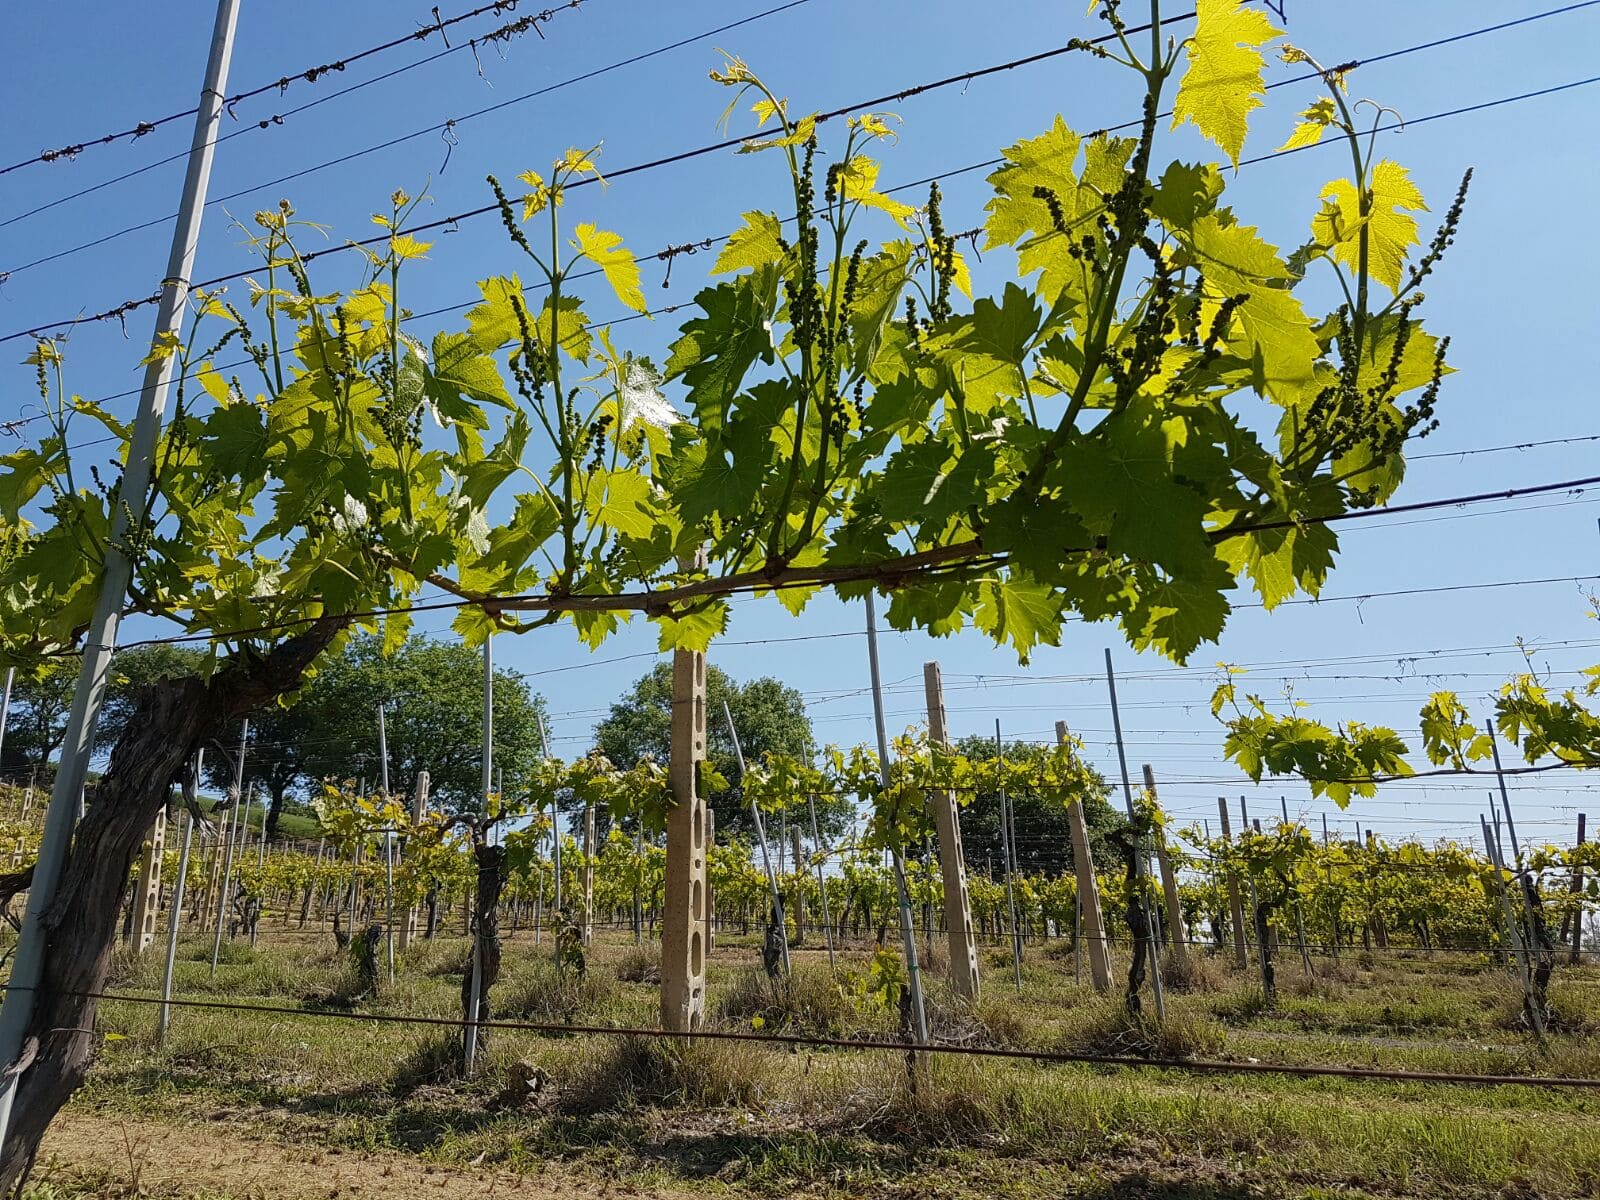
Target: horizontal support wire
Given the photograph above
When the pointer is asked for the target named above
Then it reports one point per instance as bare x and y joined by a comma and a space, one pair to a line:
796, 1040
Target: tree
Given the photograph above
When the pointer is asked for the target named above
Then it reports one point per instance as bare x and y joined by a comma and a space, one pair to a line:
40, 701
274, 757
1039, 820
769, 716
433, 697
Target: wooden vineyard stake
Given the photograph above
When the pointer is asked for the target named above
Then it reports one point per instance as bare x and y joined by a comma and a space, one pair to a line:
1241, 955
1177, 931
586, 930
1093, 937
963, 944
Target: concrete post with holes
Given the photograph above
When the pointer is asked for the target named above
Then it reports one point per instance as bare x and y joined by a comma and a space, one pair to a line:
683, 921
952, 862
1093, 942
419, 809
586, 928
1177, 932
1576, 956
147, 893
1241, 955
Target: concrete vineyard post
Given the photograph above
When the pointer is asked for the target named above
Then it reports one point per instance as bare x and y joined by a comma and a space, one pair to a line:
1092, 938
1177, 931
174, 921
1241, 956
1577, 891
683, 919
147, 893
952, 862
587, 930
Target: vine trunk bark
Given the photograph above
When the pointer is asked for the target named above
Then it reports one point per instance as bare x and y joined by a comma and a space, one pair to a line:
491, 862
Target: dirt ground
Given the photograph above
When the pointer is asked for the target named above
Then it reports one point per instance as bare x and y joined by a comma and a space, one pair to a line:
88, 1154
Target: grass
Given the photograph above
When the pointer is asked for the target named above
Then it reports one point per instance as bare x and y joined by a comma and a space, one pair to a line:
768, 1120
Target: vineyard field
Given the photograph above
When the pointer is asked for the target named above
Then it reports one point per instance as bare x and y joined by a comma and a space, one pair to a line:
759, 1120
957, 452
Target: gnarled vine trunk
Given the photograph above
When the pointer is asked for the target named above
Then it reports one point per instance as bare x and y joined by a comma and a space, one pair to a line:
172, 719
491, 862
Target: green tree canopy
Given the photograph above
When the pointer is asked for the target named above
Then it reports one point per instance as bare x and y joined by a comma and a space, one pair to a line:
40, 702
769, 716
433, 693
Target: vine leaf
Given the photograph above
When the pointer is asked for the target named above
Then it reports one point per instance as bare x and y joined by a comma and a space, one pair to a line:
1124, 487
1391, 232
234, 437
1273, 332
758, 243
1313, 123
459, 369
1224, 83
859, 182
694, 629
620, 499
605, 250
1020, 611
1281, 562
718, 349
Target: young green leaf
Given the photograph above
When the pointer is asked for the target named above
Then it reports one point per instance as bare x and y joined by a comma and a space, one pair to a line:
1223, 83
605, 250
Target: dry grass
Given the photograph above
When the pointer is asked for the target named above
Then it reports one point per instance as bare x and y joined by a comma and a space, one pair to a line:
542, 993
1106, 1028
1194, 971
432, 1061
806, 1000
1242, 1006
639, 964
632, 1071
1004, 1018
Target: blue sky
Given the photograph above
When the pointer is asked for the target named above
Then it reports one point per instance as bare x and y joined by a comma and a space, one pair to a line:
1514, 295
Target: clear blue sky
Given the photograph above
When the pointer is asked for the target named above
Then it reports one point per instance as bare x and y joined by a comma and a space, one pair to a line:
1515, 295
